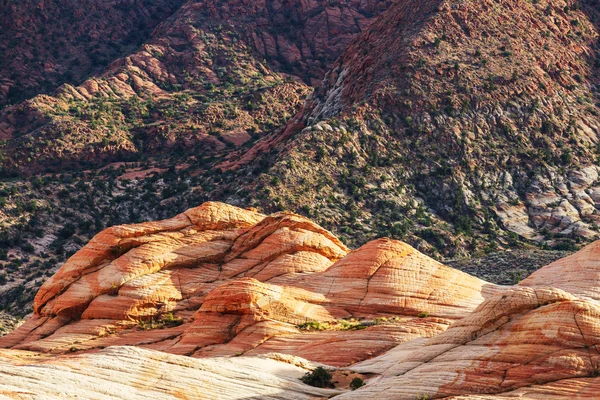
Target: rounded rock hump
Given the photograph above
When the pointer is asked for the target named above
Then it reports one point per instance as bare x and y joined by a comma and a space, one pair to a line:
219, 281
136, 273
521, 338
387, 276
578, 274
128, 251
222, 280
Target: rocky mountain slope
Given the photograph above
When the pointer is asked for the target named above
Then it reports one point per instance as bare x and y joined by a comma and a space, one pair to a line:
37, 55
474, 116
208, 79
8, 323
232, 299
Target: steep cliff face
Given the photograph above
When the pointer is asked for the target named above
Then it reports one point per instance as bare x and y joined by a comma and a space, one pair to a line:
481, 112
38, 55
225, 302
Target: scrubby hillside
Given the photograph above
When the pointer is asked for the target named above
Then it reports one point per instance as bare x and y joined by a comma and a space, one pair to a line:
212, 77
38, 55
452, 122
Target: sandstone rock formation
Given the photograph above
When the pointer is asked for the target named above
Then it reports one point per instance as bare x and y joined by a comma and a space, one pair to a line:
438, 126
239, 304
237, 282
518, 338
142, 374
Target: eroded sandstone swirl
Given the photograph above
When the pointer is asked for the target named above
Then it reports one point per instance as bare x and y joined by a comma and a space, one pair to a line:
241, 282
231, 303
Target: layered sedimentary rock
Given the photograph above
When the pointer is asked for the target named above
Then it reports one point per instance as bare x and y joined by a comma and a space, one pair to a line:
536, 340
576, 274
142, 374
239, 304
227, 281
515, 339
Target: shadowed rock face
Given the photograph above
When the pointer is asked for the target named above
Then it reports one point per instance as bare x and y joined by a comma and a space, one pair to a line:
298, 36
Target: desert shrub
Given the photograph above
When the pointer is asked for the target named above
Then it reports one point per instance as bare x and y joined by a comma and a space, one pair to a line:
356, 383
320, 377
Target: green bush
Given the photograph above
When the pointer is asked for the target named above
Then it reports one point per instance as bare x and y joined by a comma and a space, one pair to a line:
356, 383
320, 377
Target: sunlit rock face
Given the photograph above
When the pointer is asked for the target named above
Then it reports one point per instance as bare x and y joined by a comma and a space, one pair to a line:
220, 280
236, 302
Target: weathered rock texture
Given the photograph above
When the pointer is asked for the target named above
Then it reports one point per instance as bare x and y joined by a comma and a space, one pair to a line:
143, 374
482, 112
536, 340
235, 281
218, 282
299, 37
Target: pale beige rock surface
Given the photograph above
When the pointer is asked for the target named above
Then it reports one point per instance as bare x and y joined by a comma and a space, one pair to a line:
133, 373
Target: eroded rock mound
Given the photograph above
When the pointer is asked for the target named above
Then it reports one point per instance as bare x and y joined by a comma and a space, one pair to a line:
227, 281
519, 338
218, 282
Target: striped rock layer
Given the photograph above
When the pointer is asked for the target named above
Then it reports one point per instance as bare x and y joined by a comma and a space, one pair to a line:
221, 302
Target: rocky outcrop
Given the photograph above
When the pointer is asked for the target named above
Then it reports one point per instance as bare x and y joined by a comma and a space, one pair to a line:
303, 38
239, 304
575, 274
515, 339
460, 107
219, 280
8, 323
